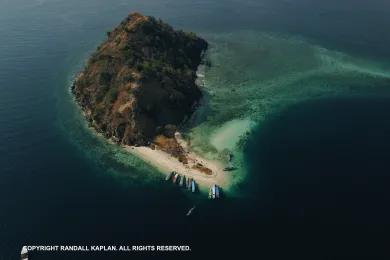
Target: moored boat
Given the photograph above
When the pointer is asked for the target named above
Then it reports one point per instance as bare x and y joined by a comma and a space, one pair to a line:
188, 183
193, 186
182, 180
169, 176
179, 177
214, 192
175, 176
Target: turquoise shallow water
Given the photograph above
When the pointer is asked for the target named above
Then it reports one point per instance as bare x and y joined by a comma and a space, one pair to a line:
60, 184
267, 73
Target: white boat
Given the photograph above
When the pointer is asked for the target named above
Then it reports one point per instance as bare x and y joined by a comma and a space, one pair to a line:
189, 213
193, 186
188, 183
174, 179
169, 176
217, 191
214, 192
182, 180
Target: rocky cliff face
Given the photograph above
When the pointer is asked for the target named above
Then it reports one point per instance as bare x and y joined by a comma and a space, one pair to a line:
140, 83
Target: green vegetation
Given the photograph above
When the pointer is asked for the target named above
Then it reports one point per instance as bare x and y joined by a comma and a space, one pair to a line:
160, 64
105, 78
112, 95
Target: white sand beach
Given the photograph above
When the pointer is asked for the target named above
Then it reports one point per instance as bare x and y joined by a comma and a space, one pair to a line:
166, 163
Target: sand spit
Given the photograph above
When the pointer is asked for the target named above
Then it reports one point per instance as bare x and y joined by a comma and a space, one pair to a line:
166, 163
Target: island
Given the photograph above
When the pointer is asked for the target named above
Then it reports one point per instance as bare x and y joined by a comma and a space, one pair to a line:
139, 88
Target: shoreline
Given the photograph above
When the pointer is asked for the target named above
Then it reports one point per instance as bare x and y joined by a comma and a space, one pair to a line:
205, 172
166, 163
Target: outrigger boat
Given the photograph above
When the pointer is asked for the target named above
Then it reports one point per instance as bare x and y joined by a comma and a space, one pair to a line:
179, 177
182, 180
193, 186
169, 176
214, 192
175, 176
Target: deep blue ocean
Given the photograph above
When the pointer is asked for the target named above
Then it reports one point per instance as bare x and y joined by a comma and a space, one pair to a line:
319, 171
